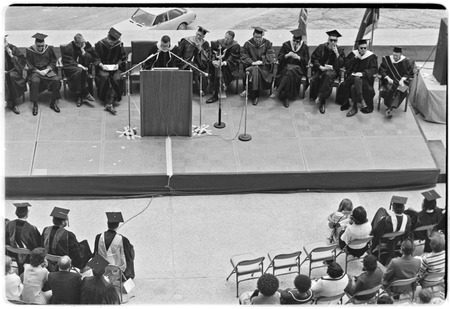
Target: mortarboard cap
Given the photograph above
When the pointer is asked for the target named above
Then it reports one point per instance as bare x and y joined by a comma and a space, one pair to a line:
61, 213
114, 217
399, 200
259, 30
98, 264
431, 195
397, 49
20, 205
360, 42
297, 33
39, 37
6, 35
202, 30
334, 33
114, 33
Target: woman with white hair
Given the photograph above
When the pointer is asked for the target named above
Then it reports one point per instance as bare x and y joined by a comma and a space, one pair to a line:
13, 285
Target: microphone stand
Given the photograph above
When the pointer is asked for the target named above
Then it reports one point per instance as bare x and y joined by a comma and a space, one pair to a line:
201, 129
129, 132
245, 137
219, 124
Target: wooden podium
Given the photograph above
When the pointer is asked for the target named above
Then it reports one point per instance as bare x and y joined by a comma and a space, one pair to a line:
166, 103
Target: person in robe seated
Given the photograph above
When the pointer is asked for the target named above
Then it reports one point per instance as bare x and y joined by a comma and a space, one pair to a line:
15, 84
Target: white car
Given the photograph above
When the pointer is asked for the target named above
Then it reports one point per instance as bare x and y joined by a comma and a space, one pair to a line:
158, 19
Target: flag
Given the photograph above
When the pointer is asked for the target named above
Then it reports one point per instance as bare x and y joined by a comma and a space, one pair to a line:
302, 22
368, 24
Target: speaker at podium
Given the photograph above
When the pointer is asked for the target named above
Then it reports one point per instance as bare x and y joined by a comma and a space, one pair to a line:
166, 102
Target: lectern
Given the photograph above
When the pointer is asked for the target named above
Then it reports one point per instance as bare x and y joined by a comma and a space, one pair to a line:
166, 103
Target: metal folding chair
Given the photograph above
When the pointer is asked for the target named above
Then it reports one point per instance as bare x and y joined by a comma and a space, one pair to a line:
329, 299
282, 259
372, 300
318, 252
360, 241
400, 283
245, 264
18, 254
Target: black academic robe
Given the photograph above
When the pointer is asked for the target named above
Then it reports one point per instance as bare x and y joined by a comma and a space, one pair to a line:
37, 60
322, 81
198, 55
162, 59
230, 54
127, 247
291, 70
396, 71
71, 57
96, 290
15, 84
424, 218
261, 75
109, 84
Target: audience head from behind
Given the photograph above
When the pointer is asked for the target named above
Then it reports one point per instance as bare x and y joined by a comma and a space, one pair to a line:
38, 257
267, 284
345, 206
407, 247
437, 242
334, 270
302, 283
385, 300
370, 263
22, 212
8, 265
425, 296
65, 263
359, 215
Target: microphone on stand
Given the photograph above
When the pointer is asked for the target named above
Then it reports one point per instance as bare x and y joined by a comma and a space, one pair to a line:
148, 58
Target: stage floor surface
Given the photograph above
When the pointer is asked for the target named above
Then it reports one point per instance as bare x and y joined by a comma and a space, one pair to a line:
86, 141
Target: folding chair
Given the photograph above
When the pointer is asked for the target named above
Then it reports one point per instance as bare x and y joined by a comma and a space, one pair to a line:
378, 77
282, 259
372, 300
383, 246
245, 264
360, 241
18, 255
115, 275
423, 228
319, 252
433, 280
329, 299
54, 259
400, 283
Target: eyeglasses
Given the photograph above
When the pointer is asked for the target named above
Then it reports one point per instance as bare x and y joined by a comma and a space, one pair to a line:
333, 40
40, 45
362, 47
297, 41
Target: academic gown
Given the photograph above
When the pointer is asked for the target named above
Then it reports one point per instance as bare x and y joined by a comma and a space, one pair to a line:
96, 290
291, 70
368, 66
71, 57
231, 54
109, 84
37, 60
261, 75
162, 59
197, 54
396, 70
322, 81
15, 84
424, 218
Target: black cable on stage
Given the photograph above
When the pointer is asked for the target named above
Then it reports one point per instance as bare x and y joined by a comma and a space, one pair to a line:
151, 200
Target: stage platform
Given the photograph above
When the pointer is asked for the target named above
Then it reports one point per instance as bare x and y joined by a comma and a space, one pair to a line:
79, 153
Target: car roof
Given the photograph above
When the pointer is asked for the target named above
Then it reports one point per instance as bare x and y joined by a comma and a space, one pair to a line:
156, 11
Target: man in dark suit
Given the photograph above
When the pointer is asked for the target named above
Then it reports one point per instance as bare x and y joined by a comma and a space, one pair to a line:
65, 285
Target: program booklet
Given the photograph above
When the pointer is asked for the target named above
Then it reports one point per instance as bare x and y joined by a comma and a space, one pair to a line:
111, 67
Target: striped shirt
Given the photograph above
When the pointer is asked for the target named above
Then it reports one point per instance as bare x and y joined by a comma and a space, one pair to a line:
432, 263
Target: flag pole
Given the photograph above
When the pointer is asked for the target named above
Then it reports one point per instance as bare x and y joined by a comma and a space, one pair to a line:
373, 27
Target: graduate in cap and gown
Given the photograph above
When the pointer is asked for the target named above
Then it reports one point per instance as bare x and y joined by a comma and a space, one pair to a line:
109, 69
97, 290
42, 72
293, 60
257, 55
163, 58
394, 220
59, 241
396, 70
195, 50
326, 60
15, 84
21, 234
361, 66
115, 247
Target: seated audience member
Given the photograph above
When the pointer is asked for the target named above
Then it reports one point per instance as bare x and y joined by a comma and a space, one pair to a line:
163, 57
265, 294
35, 276
96, 290
404, 267
358, 228
388, 222
370, 278
302, 293
433, 262
338, 220
13, 284
428, 297
385, 300
332, 284
15, 84
65, 285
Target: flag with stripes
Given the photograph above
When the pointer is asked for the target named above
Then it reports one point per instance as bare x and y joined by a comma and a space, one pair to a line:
368, 24
302, 21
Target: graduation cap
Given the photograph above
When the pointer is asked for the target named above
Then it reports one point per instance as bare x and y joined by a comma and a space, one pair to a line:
6, 35
39, 37
22, 205
114, 217
61, 213
259, 30
361, 42
114, 33
399, 200
397, 49
202, 30
97, 264
334, 33
431, 195
297, 33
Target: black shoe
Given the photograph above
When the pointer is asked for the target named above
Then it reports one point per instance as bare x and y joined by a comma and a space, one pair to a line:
212, 99
15, 110
286, 103
89, 97
54, 107
255, 101
345, 107
352, 112
322, 107
35, 110
110, 108
79, 102
366, 110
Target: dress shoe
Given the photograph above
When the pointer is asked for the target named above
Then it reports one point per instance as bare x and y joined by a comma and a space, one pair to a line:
345, 106
388, 113
317, 101
79, 102
110, 108
352, 112
15, 110
255, 101
89, 97
54, 107
212, 99
322, 107
366, 110
35, 110
286, 103
274, 95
